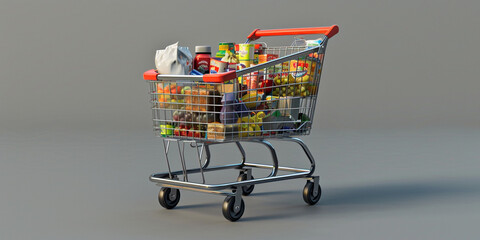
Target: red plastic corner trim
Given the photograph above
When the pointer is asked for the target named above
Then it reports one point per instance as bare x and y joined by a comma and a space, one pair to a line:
219, 77
332, 31
150, 75
252, 36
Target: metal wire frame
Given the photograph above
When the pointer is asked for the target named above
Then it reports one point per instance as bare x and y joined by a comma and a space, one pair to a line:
200, 104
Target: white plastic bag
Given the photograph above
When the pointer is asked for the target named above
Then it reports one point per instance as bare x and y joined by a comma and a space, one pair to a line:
174, 60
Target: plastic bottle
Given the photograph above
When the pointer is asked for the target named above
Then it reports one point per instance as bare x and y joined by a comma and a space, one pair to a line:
201, 62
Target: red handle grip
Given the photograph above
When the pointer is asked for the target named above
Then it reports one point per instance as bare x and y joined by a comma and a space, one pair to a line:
327, 31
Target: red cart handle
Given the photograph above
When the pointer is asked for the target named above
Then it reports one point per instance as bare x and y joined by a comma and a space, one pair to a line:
327, 31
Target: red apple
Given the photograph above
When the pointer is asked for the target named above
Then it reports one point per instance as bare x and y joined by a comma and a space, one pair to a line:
176, 131
266, 86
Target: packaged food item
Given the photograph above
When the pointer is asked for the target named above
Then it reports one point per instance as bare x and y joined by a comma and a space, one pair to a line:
228, 115
218, 66
251, 80
302, 69
166, 130
252, 99
272, 102
313, 43
201, 62
246, 54
258, 51
230, 58
250, 125
274, 122
174, 60
266, 86
227, 87
262, 58
202, 99
223, 47
219, 131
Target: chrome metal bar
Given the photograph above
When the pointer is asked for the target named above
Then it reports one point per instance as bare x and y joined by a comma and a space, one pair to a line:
182, 160
199, 154
286, 169
242, 151
274, 157
197, 170
166, 147
305, 149
197, 189
277, 61
177, 183
207, 156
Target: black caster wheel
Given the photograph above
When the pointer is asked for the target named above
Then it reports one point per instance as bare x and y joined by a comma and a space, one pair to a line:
308, 195
228, 209
246, 190
168, 197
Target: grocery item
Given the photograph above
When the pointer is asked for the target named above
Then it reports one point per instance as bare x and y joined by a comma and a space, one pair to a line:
201, 99
230, 58
272, 102
166, 130
246, 54
250, 125
218, 66
252, 99
201, 61
219, 131
228, 114
266, 85
262, 58
302, 69
223, 47
258, 51
252, 80
313, 43
174, 60
275, 121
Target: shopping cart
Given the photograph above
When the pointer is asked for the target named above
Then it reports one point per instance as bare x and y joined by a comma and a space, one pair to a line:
272, 100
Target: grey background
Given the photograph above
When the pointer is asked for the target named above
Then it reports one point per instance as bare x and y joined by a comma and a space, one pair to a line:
396, 133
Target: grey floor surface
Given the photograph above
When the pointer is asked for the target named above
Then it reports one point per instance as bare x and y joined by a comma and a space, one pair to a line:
377, 184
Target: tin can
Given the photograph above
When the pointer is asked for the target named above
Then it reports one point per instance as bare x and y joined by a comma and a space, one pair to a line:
246, 54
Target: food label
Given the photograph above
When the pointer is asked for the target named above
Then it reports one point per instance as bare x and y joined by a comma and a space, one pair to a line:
301, 68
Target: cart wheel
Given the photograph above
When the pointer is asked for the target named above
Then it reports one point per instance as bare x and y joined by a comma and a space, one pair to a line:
168, 197
308, 193
246, 190
228, 209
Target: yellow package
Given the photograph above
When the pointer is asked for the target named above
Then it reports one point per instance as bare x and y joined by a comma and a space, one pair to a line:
302, 70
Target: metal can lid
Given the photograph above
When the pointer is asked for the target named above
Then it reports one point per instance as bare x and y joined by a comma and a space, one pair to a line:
203, 49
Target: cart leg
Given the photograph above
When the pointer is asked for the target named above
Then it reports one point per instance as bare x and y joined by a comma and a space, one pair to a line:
316, 184
246, 174
305, 149
238, 199
207, 154
242, 151
274, 157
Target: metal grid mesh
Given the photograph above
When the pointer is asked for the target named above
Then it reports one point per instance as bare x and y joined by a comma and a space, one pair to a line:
273, 99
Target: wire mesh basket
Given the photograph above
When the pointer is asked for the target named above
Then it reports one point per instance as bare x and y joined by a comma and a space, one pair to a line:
272, 99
